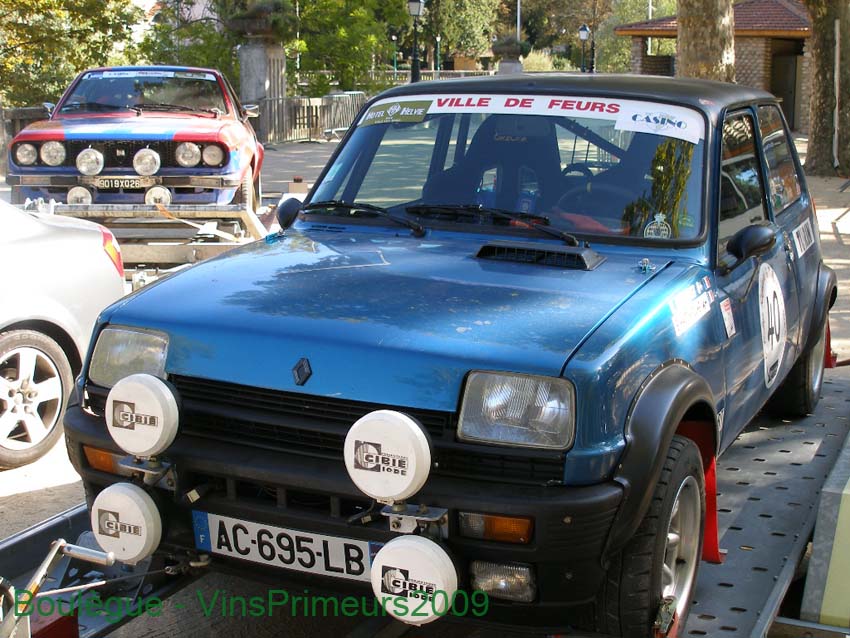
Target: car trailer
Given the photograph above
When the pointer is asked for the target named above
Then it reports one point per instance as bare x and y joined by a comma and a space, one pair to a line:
154, 237
768, 487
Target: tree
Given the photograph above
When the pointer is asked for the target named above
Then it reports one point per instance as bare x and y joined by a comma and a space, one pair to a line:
819, 156
45, 43
465, 26
613, 52
705, 43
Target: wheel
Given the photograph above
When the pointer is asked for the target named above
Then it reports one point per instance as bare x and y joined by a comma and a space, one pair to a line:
800, 392
245, 195
35, 383
663, 556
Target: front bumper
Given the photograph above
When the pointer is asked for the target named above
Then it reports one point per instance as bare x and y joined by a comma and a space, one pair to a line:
125, 181
311, 494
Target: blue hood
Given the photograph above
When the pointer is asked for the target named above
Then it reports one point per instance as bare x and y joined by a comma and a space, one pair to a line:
380, 318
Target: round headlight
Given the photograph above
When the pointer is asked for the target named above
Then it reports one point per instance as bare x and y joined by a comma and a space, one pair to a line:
90, 161
146, 161
213, 155
158, 195
79, 195
188, 154
52, 153
26, 154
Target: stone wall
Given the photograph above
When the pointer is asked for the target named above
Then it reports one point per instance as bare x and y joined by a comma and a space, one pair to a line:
645, 64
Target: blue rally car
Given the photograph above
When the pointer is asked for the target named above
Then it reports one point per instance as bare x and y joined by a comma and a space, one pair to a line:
495, 353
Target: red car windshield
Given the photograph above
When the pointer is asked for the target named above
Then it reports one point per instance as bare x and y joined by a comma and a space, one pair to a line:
100, 91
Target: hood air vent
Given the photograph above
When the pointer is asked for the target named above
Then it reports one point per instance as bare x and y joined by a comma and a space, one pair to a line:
572, 257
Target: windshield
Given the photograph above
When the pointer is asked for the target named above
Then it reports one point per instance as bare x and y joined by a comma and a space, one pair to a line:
99, 91
590, 166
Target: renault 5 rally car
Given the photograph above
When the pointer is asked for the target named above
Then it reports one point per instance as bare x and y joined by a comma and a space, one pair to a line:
141, 135
499, 348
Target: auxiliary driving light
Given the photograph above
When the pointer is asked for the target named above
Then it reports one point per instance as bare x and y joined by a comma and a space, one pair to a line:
79, 195
142, 415
146, 161
90, 161
506, 529
508, 582
126, 521
158, 195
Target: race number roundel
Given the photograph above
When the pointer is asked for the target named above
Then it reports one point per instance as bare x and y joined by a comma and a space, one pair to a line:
773, 326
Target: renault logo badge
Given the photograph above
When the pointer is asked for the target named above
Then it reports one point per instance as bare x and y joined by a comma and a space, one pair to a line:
302, 371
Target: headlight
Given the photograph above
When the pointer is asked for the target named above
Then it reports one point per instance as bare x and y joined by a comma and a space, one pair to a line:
213, 155
517, 409
26, 154
146, 161
90, 161
120, 352
188, 154
52, 153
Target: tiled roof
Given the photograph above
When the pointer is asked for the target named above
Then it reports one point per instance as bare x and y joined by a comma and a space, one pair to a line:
768, 17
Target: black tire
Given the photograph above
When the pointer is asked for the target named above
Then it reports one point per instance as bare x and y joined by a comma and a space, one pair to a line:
628, 602
800, 391
14, 451
246, 195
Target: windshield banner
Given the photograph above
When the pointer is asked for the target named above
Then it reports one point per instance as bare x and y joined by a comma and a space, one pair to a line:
628, 115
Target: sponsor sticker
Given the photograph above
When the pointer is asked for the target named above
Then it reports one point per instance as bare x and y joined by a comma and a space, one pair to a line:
728, 317
124, 416
773, 326
658, 228
109, 524
689, 306
804, 237
629, 115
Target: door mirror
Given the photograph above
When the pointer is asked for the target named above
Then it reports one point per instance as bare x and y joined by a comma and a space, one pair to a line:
48, 106
287, 211
751, 241
251, 110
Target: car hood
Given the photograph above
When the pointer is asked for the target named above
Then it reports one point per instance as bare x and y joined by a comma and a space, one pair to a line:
148, 126
380, 318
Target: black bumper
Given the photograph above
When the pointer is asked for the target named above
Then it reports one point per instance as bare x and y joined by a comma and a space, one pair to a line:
571, 523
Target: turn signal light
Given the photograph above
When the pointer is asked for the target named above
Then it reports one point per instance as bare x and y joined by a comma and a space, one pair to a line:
105, 461
505, 529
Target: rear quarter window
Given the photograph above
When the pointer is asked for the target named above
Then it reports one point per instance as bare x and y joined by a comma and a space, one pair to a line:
782, 177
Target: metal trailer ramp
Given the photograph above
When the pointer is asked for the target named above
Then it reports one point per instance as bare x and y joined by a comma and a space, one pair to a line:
768, 487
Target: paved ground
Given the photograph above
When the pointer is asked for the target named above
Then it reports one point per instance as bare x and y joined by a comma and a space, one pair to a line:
28, 495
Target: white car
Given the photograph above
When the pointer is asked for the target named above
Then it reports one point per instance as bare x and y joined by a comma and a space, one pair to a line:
56, 275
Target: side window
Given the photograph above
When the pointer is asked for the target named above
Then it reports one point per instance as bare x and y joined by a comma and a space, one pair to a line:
782, 177
741, 187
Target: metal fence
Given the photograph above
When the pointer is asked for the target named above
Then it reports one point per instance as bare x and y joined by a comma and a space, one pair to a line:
304, 118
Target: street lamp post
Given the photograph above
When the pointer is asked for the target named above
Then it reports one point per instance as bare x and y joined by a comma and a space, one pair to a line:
415, 8
438, 38
583, 32
394, 38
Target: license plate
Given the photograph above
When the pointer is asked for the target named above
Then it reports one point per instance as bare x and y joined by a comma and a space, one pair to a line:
282, 547
121, 182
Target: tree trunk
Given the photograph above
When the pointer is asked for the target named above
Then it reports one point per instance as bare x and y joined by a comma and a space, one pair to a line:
705, 43
819, 158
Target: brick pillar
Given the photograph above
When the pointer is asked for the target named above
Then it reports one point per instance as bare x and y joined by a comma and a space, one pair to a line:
752, 62
638, 54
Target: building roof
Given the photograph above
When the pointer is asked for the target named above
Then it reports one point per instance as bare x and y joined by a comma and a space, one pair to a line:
771, 18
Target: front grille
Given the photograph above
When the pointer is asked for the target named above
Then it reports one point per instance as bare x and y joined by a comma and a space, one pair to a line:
316, 426
119, 153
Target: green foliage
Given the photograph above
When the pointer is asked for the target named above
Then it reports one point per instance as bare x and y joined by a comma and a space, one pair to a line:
613, 52
464, 25
178, 37
537, 61
45, 43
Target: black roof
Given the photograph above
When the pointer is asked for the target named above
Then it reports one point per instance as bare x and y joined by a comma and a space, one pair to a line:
705, 95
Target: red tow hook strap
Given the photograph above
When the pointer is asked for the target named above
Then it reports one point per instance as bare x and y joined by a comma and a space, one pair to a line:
830, 356
55, 626
702, 436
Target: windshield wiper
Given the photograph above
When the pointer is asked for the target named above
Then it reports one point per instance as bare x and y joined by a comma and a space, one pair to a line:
418, 229
528, 220
163, 106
